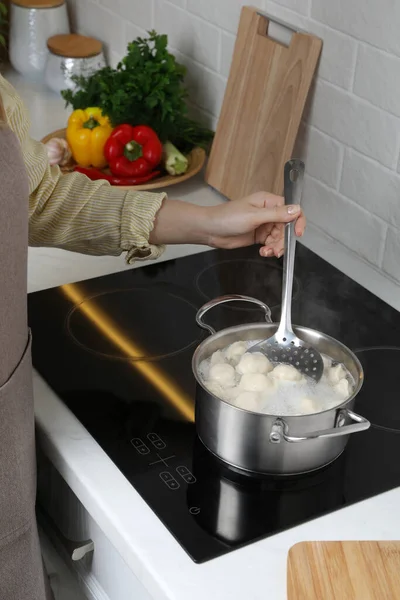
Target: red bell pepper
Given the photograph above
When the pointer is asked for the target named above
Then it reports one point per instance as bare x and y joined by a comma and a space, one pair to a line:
96, 175
132, 151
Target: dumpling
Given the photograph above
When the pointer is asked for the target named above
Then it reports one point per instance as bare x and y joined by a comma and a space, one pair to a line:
286, 373
254, 363
230, 394
215, 388
308, 406
248, 401
217, 358
255, 382
336, 373
293, 384
343, 388
223, 374
234, 352
327, 361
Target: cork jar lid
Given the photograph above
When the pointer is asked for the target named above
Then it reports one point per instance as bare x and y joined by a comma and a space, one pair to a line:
38, 3
72, 45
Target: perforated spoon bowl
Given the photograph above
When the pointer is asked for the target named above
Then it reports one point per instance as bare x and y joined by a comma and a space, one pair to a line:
285, 347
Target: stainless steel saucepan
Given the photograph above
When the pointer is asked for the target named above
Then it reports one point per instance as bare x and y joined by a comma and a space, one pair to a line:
273, 444
237, 508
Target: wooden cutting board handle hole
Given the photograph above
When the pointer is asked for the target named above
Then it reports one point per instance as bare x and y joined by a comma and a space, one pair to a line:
278, 33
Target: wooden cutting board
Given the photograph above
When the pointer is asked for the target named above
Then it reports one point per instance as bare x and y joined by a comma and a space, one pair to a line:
264, 100
344, 571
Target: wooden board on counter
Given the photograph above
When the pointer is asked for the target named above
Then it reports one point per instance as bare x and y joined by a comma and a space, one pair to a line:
264, 100
344, 571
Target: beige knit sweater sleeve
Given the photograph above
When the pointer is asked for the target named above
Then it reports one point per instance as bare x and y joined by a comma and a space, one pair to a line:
74, 213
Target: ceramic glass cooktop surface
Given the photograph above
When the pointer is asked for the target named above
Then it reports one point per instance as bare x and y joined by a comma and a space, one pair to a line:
117, 350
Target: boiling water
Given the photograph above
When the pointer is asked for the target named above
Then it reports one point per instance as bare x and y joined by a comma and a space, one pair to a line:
282, 397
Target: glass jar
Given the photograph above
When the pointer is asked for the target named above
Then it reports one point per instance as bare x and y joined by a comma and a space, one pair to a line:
71, 55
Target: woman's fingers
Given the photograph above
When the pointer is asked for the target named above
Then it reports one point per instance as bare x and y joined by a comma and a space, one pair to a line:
266, 252
278, 229
279, 215
274, 249
276, 233
300, 225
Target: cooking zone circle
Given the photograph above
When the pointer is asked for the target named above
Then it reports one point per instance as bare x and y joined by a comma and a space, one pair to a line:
259, 280
378, 399
134, 324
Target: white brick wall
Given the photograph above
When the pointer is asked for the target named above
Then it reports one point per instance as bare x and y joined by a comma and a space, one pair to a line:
350, 136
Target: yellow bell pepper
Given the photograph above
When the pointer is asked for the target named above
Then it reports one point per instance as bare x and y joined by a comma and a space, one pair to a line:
87, 132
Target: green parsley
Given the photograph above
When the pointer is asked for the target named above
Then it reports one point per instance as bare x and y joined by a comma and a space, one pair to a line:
146, 88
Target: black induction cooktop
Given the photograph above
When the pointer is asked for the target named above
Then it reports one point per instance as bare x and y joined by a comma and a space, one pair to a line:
117, 350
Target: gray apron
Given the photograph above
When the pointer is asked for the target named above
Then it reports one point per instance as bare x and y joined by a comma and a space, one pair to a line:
21, 567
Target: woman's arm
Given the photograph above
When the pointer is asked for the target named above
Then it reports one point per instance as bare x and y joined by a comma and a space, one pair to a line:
74, 213
257, 219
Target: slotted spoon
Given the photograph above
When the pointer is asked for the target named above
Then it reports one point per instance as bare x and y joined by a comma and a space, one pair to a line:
285, 347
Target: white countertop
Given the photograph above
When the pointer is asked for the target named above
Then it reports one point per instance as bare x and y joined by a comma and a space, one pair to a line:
257, 571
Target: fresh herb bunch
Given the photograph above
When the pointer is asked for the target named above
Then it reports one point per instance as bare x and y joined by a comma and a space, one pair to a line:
146, 88
3, 24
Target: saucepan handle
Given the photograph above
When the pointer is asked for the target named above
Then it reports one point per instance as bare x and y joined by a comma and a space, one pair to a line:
280, 429
222, 300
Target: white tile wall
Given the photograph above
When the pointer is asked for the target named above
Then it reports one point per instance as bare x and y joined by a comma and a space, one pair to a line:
378, 78
193, 36
300, 6
142, 10
345, 220
223, 13
227, 47
372, 187
322, 154
355, 123
350, 137
373, 22
391, 263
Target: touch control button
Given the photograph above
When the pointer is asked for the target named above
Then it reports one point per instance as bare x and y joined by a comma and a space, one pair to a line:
140, 446
156, 441
186, 474
169, 480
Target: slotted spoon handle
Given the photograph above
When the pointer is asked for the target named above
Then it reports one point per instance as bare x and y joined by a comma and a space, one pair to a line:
293, 186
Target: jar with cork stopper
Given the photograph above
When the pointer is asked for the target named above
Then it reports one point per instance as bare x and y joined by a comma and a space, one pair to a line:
72, 55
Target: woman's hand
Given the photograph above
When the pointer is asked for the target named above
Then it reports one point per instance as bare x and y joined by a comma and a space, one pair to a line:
256, 219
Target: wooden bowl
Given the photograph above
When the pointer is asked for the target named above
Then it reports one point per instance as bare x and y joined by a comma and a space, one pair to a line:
196, 159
